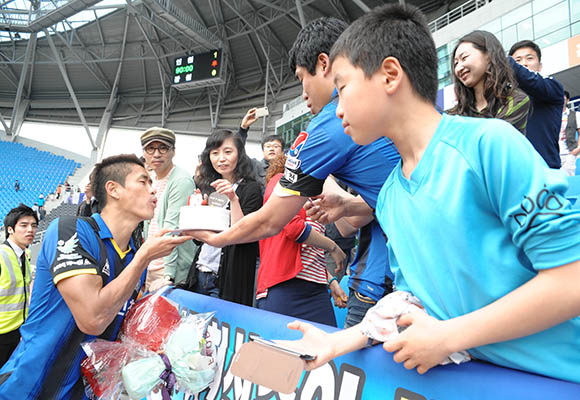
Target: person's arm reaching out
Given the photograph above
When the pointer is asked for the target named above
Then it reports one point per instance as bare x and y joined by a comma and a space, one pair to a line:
267, 221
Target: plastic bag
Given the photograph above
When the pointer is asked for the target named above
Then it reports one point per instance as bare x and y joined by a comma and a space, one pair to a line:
380, 321
152, 325
187, 363
149, 321
101, 368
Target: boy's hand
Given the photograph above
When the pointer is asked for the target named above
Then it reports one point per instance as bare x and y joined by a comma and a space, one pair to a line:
314, 342
423, 345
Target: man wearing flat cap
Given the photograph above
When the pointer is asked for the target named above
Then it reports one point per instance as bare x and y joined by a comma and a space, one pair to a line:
173, 186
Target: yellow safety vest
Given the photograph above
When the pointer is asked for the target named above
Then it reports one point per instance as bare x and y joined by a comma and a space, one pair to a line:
14, 290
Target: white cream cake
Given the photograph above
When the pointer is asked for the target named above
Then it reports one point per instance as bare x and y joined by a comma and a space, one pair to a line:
204, 218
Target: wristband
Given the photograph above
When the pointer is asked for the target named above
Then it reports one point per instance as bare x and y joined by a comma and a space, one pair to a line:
334, 278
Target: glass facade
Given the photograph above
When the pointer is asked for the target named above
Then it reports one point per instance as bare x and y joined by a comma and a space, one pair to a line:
544, 21
291, 129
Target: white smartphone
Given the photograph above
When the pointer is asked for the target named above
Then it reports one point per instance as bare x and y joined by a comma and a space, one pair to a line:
262, 112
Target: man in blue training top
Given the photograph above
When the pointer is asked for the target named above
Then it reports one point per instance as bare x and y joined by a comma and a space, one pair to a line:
88, 273
547, 95
321, 150
478, 227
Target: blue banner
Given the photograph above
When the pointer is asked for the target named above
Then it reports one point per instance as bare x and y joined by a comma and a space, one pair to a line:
365, 374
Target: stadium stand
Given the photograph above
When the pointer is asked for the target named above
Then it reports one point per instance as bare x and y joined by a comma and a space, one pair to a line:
37, 171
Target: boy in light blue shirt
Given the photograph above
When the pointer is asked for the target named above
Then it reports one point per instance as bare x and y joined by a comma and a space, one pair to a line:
481, 232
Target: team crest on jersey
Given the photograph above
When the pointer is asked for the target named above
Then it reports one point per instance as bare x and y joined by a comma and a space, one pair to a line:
68, 246
298, 144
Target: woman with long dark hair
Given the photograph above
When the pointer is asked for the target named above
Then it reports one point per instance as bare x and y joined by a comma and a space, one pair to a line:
485, 85
226, 169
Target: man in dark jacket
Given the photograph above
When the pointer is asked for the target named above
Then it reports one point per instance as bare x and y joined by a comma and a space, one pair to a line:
547, 95
272, 146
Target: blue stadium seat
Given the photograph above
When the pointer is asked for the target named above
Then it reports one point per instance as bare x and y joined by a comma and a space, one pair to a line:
37, 171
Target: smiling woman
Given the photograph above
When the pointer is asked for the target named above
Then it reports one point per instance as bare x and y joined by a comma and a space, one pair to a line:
484, 82
226, 169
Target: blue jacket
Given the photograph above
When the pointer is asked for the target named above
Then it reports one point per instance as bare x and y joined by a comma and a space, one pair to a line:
544, 122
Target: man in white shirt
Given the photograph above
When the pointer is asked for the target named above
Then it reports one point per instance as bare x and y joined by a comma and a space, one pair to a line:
21, 224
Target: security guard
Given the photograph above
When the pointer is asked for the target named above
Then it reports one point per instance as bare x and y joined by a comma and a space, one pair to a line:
20, 224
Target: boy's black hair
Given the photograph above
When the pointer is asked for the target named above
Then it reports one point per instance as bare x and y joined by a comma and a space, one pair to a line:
272, 138
114, 168
15, 214
566, 95
392, 30
526, 43
315, 38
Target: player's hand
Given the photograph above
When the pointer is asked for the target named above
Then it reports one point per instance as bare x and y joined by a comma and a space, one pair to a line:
326, 208
208, 237
314, 342
338, 295
249, 118
423, 345
223, 186
160, 245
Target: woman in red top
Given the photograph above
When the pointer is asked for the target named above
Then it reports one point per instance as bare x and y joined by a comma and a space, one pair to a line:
279, 288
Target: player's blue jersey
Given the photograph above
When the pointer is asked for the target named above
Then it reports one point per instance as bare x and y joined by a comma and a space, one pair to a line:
370, 274
325, 149
46, 363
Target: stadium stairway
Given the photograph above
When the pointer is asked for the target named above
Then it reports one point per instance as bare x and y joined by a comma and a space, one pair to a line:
61, 210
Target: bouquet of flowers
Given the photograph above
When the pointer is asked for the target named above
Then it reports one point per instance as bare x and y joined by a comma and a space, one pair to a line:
159, 348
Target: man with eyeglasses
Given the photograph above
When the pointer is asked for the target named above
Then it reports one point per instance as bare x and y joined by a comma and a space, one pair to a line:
173, 187
272, 146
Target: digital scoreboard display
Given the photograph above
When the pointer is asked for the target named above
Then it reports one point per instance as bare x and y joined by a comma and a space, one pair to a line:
198, 70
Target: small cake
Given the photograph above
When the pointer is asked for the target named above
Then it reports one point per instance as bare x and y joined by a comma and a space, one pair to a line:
204, 218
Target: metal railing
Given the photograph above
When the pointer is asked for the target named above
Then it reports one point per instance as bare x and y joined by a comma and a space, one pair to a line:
457, 13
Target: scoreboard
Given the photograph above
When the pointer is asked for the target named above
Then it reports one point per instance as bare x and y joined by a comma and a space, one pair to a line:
198, 70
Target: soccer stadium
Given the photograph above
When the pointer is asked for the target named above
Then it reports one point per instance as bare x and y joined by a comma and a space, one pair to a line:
390, 187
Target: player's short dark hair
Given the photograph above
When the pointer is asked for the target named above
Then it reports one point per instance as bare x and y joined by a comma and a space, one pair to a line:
526, 43
566, 95
315, 38
272, 138
14, 216
114, 168
392, 30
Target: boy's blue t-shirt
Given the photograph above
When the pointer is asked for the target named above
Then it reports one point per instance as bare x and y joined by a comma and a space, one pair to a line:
479, 216
325, 149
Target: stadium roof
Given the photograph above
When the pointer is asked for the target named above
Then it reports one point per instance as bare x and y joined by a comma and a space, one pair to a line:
110, 62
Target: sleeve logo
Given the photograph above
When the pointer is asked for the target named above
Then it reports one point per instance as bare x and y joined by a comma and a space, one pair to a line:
298, 144
68, 246
292, 163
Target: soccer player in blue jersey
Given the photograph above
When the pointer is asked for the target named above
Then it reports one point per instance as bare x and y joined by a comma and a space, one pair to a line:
88, 273
322, 149
478, 225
